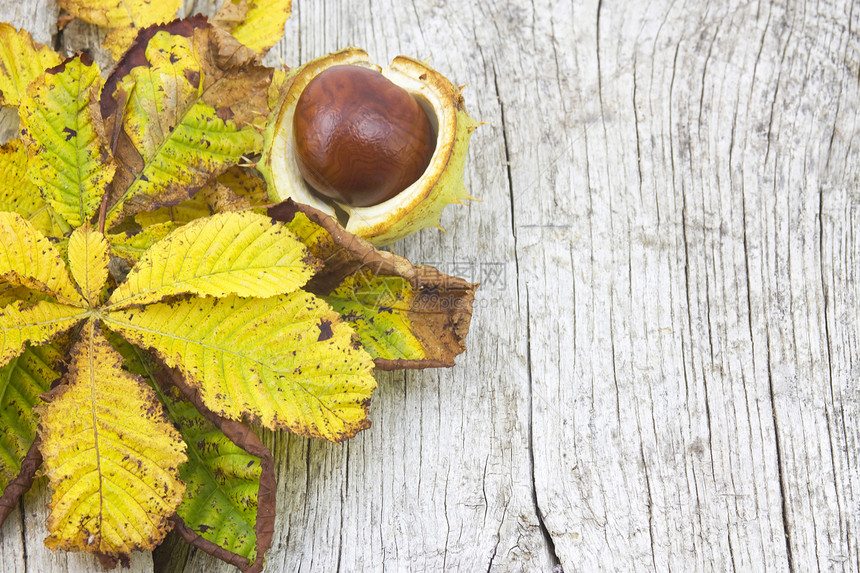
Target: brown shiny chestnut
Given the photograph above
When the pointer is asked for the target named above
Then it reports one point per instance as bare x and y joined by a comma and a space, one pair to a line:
360, 138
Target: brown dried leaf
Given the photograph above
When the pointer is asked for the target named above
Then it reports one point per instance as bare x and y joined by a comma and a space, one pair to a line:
440, 308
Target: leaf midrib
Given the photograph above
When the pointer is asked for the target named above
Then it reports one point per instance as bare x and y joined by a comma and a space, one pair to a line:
123, 303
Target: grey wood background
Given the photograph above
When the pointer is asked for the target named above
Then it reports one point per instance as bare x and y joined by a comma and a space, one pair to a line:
663, 363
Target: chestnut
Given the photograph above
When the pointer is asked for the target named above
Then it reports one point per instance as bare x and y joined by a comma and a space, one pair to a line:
289, 138
360, 139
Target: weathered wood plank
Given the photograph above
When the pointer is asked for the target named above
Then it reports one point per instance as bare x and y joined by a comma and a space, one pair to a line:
681, 227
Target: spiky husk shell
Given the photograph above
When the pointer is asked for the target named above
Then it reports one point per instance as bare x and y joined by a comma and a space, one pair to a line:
419, 205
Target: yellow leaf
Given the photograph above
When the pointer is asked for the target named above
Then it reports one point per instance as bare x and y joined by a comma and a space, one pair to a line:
184, 119
259, 24
88, 260
28, 259
21, 61
10, 294
321, 244
70, 161
234, 190
110, 454
285, 362
230, 253
36, 324
196, 207
132, 246
124, 17
18, 194
247, 184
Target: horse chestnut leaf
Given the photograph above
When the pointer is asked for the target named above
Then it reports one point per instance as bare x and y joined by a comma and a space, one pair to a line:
360, 139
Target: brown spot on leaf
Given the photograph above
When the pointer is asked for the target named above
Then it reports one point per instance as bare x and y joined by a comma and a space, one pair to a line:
326, 331
193, 77
224, 113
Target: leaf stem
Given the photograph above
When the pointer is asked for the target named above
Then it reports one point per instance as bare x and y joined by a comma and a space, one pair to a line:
103, 212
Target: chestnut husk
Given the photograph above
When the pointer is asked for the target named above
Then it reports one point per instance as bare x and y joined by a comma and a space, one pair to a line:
418, 206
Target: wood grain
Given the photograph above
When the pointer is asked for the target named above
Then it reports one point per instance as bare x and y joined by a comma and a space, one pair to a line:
663, 362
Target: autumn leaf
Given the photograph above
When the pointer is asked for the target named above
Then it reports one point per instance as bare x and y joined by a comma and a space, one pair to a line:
133, 232
61, 122
223, 483
19, 195
110, 455
131, 245
42, 322
236, 253
124, 18
88, 260
245, 183
318, 381
234, 190
28, 259
378, 309
185, 104
284, 362
406, 316
228, 508
21, 61
259, 24
22, 381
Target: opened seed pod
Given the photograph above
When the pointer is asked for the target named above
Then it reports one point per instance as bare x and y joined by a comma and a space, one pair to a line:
348, 138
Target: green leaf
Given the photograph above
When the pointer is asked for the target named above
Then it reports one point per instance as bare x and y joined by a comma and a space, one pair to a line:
222, 480
22, 381
231, 253
378, 309
28, 259
187, 113
37, 324
21, 61
19, 195
70, 160
111, 456
286, 361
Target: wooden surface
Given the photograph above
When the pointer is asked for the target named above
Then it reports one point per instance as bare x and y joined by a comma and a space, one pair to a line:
663, 367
